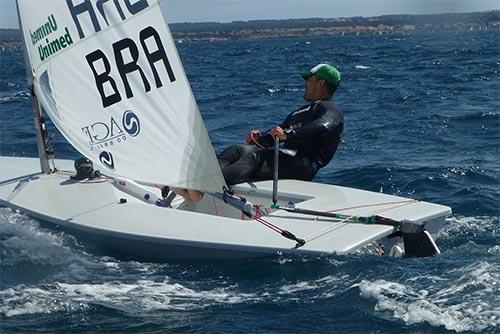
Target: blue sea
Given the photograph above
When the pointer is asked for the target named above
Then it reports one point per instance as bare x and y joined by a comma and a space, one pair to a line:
422, 116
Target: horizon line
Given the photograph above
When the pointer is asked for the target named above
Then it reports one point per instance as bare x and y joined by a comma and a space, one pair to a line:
310, 18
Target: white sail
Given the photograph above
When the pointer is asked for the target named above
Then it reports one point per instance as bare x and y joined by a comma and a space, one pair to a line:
110, 78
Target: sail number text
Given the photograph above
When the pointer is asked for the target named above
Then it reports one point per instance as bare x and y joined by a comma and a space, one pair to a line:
89, 18
126, 56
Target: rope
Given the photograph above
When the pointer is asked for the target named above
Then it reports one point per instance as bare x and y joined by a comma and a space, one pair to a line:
257, 217
301, 242
254, 139
347, 220
17, 189
282, 232
215, 207
377, 204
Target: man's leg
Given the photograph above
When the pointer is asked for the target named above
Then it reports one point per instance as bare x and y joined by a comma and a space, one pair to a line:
238, 163
233, 153
297, 167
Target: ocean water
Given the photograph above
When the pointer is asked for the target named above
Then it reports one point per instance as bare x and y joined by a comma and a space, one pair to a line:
422, 121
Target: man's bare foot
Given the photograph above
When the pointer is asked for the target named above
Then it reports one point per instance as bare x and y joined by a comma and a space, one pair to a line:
190, 195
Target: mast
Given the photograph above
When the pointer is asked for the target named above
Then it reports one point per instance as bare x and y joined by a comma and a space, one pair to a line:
44, 153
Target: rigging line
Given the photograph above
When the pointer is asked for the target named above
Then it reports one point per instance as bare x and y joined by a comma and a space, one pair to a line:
396, 207
61, 172
17, 189
328, 230
345, 222
92, 210
215, 207
411, 201
265, 223
285, 233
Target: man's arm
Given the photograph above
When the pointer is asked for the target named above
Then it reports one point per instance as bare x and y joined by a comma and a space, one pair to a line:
267, 140
325, 124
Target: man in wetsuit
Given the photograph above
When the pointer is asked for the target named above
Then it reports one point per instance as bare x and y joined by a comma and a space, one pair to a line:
310, 136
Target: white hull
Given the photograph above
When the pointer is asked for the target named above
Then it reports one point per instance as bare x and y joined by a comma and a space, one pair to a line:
209, 229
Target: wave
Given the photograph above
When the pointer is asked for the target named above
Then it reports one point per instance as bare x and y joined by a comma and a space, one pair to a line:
476, 116
455, 290
479, 116
145, 295
456, 300
461, 298
24, 241
133, 298
26, 246
471, 233
7, 85
280, 90
16, 97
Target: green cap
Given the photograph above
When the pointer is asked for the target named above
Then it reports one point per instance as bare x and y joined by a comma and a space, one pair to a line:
323, 71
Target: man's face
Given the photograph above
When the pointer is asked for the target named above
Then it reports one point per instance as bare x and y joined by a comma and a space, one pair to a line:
311, 88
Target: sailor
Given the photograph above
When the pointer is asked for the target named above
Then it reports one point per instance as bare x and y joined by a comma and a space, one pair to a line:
310, 136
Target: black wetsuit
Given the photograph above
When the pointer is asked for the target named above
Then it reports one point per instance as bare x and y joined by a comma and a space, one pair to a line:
313, 134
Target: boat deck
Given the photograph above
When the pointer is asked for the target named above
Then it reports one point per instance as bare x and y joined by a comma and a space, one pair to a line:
209, 228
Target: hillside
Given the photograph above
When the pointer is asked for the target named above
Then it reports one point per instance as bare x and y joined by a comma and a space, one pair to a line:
10, 38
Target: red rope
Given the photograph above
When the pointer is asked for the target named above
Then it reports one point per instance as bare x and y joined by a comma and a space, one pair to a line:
267, 224
254, 139
282, 232
215, 206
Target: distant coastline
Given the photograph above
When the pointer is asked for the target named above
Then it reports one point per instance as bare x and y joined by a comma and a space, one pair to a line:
10, 39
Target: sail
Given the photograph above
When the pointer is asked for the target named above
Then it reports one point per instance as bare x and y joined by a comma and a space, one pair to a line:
109, 76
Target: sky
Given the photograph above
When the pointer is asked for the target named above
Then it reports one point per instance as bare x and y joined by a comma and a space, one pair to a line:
231, 10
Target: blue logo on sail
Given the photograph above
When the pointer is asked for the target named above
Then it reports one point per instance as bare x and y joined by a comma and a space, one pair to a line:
107, 160
131, 123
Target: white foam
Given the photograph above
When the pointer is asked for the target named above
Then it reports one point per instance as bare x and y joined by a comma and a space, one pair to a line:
140, 296
495, 250
33, 300
279, 90
470, 226
361, 67
466, 299
147, 295
300, 286
490, 113
326, 287
24, 241
15, 97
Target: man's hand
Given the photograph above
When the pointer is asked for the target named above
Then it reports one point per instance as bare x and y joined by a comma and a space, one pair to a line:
278, 132
251, 136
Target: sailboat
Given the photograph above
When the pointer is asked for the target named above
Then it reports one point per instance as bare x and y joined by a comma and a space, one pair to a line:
108, 75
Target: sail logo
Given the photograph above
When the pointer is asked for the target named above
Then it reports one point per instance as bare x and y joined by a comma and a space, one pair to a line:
48, 44
131, 123
101, 135
106, 158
